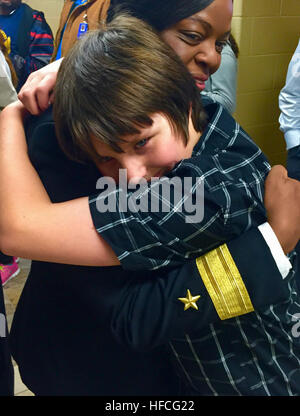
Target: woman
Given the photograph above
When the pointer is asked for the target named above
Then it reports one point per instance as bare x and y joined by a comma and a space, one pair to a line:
45, 330
37, 92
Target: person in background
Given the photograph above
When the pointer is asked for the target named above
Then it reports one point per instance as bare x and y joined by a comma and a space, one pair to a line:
8, 81
221, 86
8, 76
289, 104
76, 18
30, 37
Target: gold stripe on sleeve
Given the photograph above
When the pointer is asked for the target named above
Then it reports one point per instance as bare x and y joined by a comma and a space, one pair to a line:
224, 283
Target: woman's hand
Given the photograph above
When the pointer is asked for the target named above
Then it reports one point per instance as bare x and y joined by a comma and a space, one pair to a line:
282, 202
37, 93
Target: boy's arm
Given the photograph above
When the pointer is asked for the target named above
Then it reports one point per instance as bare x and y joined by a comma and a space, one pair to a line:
150, 313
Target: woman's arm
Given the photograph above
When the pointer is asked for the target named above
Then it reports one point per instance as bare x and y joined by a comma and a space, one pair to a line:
30, 225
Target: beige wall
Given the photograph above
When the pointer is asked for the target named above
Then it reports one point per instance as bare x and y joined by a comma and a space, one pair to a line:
267, 32
51, 9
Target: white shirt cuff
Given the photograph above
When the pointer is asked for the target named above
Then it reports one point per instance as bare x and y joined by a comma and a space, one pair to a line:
281, 260
292, 138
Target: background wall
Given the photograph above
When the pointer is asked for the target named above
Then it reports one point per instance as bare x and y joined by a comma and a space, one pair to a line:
267, 32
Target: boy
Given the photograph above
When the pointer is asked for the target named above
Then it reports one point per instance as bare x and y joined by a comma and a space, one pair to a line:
146, 117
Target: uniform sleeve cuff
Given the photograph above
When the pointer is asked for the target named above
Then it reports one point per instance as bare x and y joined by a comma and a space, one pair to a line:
224, 283
280, 258
292, 138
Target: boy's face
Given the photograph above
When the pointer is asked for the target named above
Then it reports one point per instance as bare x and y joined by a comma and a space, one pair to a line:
151, 153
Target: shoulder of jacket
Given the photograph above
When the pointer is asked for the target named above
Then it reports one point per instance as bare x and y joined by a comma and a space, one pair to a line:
33, 12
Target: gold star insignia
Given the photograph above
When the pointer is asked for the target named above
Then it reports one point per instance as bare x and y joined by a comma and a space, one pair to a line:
189, 301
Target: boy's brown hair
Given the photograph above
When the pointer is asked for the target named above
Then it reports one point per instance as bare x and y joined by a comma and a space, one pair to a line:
111, 82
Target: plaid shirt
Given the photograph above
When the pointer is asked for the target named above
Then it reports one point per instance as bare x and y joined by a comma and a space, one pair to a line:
232, 169
255, 354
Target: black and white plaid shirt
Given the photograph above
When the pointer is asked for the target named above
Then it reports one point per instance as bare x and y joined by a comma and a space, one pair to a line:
254, 354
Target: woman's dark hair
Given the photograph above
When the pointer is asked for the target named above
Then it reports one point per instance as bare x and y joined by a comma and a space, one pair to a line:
234, 46
160, 14
113, 80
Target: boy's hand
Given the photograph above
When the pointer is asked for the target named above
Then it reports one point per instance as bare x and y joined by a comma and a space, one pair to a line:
282, 202
37, 93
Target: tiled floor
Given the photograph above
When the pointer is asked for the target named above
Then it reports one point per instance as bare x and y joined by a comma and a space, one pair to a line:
12, 291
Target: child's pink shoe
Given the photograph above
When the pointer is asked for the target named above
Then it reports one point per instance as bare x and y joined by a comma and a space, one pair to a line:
8, 271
